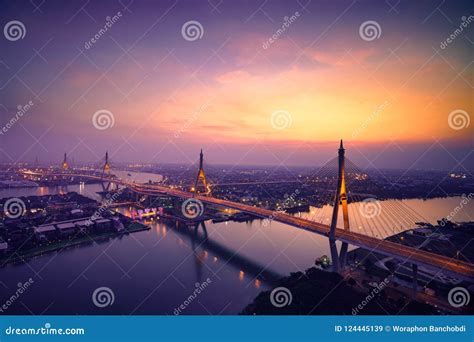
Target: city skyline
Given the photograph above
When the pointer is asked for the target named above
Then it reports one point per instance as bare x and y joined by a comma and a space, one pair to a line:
248, 88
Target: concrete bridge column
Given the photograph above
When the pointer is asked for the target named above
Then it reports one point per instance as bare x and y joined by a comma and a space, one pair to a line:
415, 279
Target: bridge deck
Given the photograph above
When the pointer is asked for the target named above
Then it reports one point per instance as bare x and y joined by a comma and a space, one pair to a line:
404, 253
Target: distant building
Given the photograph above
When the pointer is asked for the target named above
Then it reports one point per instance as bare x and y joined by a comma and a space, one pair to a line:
45, 232
66, 229
103, 225
82, 226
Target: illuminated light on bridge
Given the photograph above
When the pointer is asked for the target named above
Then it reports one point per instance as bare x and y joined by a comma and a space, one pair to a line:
65, 164
201, 179
403, 253
106, 172
106, 168
340, 199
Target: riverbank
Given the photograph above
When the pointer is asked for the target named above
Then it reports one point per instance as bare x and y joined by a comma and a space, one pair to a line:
372, 278
317, 292
21, 256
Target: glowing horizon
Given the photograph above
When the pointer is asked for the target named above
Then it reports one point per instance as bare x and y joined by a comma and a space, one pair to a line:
234, 88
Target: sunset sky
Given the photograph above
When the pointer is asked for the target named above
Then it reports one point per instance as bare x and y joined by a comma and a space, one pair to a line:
389, 98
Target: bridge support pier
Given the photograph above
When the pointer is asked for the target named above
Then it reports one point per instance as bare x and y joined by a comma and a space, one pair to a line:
110, 186
343, 255
106, 188
334, 255
204, 229
415, 279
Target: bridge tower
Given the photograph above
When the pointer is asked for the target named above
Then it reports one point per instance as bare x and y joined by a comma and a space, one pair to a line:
339, 259
201, 178
65, 164
106, 168
106, 172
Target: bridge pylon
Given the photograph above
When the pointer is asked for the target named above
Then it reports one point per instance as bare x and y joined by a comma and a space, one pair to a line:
106, 168
340, 199
201, 179
106, 172
65, 164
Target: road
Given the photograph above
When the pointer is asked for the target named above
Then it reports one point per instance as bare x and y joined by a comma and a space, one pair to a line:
429, 260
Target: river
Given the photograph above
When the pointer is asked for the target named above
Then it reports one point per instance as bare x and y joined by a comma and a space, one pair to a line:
157, 271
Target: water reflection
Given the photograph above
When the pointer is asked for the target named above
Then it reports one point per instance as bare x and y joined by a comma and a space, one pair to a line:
393, 216
153, 272
201, 243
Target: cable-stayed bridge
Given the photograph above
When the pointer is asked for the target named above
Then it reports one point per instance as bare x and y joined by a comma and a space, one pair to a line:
339, 197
